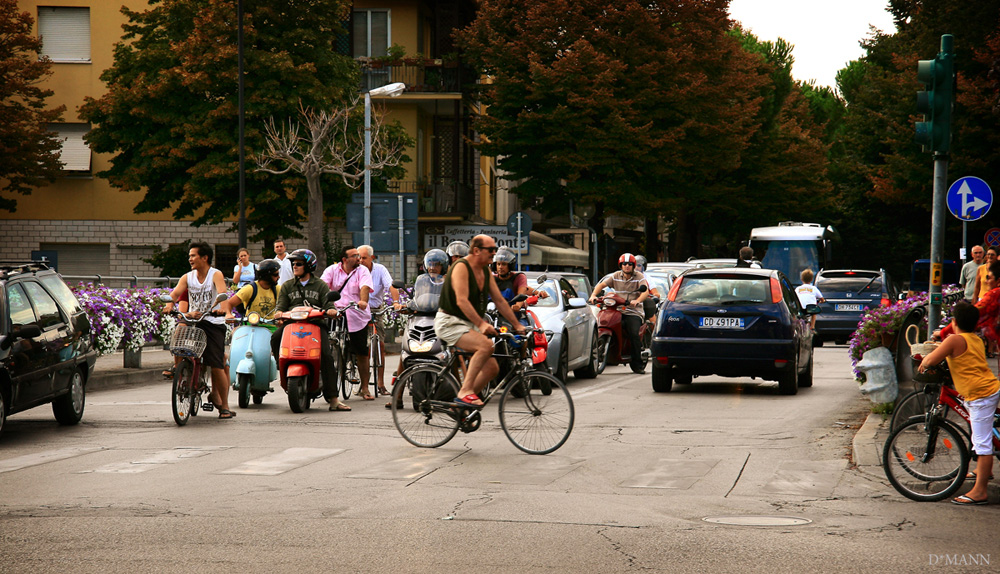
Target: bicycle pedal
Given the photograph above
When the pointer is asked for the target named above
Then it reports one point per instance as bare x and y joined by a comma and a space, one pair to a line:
207, 406
471, 422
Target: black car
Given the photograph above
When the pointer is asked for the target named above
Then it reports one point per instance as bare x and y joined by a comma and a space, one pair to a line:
849, 293
46, 354
735, 322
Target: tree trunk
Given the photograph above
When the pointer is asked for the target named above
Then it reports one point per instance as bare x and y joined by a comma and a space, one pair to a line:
314, 227
596, 222
653, 248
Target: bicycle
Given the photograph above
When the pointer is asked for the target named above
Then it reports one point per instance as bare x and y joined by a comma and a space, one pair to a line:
927, 457
539, 421
191, 381
376, 358
346, 368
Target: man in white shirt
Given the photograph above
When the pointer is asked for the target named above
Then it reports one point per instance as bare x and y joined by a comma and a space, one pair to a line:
381, 284
282, 258
970, 271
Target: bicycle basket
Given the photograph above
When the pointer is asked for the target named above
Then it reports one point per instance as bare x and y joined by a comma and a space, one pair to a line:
188, 341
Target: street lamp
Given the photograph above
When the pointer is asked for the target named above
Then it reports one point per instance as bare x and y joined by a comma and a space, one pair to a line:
391, 90
242, 226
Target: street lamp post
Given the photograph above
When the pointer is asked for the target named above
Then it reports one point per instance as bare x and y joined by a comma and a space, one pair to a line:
391, 90
242, 155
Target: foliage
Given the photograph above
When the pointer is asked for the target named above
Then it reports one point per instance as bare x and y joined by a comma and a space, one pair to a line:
172, 261
170, 113
29, 150
125, 318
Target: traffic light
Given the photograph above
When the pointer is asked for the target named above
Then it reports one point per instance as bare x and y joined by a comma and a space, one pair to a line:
935, 102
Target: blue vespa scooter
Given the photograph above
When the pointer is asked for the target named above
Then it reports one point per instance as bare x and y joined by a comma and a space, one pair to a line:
251, 366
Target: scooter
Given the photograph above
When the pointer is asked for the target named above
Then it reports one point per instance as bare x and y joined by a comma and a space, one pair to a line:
252, 375
420, 343
301, 354
613, 346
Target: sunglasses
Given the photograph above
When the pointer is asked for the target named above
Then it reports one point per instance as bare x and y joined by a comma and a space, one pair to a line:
490, 249
298, 264
627, 263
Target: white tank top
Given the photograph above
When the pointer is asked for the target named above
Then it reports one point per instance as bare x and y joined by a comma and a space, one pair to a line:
201, 296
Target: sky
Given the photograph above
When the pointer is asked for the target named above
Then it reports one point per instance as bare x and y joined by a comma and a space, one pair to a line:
825, 35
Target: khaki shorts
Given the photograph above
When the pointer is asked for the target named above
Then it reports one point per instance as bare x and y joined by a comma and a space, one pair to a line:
450, 328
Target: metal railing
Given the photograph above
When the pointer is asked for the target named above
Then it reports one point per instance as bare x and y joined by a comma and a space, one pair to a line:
420, 76
131, 281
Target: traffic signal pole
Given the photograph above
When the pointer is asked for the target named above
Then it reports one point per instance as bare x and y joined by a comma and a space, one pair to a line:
934, 134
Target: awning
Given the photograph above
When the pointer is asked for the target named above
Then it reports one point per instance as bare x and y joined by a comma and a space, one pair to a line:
545, 251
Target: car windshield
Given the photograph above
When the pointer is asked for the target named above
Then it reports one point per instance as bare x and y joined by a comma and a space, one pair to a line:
858, 283
724, 290
427, 293
791, 257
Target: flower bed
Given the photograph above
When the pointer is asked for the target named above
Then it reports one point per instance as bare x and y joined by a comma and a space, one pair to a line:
123, 318
887, 321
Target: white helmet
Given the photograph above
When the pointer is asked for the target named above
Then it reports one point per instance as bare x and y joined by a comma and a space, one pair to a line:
458, 249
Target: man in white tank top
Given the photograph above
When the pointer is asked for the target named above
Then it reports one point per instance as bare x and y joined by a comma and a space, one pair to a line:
202, 284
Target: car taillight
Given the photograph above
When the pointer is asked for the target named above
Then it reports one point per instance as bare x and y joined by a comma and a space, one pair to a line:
662, 360
885, 302
775, 291
674, 289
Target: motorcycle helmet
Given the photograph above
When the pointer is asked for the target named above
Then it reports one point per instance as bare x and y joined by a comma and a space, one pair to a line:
304, 255
268, 270
458, 249
504, 255
626, 258
640, 263
436, 257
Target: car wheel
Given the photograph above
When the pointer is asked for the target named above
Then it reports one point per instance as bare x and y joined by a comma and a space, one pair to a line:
3, 410
661, 378
590, 370
68, 408
806, 378
603, 348
682, 378
788, 381
562, 368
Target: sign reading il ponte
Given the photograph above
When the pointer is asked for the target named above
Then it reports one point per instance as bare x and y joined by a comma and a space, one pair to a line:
438, 237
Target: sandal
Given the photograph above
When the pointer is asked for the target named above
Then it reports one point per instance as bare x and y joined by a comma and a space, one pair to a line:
383, 391
966, 501
226, 414
399, 405
470, 400
972, 476
339, 407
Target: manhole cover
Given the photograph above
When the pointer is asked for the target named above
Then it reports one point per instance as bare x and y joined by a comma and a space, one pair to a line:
757, 520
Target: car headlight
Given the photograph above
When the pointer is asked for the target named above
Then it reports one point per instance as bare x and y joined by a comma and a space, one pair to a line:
253, 318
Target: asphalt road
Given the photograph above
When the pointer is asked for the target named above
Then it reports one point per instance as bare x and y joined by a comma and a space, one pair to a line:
647, 482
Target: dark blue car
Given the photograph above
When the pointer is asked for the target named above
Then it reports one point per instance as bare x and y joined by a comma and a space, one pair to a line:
849, 293
734, 322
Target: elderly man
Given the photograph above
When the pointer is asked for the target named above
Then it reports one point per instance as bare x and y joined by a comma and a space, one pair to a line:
468, 286
354, 283
381, 285
970, 270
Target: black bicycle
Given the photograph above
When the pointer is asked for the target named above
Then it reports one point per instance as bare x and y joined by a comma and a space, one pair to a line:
345, 365
535, 408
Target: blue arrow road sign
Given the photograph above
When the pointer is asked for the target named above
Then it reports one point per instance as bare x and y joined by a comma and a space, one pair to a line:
969, 198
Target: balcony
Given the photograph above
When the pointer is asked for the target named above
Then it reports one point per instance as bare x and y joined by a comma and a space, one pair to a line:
430, 76
441, 198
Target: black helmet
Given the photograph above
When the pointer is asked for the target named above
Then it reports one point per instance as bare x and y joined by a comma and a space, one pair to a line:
458, 249
268, 270
304, 255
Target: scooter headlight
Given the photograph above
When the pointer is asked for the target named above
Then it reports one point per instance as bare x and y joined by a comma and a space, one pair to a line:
422, 347
253, 318
299, 315
609, 302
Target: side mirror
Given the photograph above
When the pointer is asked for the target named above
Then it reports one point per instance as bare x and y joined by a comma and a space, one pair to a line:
221, 297
332, 296
398, 284
576, 303
541, 279
165, 298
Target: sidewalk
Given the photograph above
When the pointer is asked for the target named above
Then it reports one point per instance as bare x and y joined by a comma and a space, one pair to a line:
109, 372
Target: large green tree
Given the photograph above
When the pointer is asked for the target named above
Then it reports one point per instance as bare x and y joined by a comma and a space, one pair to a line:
30, 151
170, 113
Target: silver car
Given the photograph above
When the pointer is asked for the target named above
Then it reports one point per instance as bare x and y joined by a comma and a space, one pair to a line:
566, 314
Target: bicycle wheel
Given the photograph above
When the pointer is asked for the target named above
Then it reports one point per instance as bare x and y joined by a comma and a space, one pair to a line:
420, 422
917, 403
349, 378
374, 357
540, 421
182, 393
925, 462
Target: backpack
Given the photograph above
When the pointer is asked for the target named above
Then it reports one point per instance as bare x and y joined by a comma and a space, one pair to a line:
241, 308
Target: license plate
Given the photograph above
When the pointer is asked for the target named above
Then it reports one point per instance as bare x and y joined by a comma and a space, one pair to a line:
849, 307
721, 322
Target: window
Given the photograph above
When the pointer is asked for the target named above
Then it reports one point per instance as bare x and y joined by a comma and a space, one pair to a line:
45, 305
371, 33
56, 286
65, 33
21, 313
75, 153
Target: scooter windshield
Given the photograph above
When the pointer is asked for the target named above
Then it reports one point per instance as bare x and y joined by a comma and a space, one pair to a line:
427, 293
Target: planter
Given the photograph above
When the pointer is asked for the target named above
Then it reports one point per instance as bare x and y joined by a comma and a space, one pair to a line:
889, 340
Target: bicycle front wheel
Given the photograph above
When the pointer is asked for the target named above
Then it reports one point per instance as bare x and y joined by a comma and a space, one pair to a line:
536, 413
414, 412
926, 462
182, 392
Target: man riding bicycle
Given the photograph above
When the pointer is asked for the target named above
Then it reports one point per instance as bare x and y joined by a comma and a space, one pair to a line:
460, 320
303, 289
627, 283
354, 283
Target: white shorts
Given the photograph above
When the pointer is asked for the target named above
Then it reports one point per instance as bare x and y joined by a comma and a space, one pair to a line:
450, 328
981, 413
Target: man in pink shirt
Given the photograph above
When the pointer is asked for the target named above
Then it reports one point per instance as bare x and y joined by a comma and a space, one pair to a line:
354, 283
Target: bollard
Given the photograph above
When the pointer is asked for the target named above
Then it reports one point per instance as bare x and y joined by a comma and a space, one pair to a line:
132, 359
880, 385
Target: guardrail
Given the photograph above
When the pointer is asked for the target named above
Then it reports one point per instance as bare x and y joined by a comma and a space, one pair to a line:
132, 280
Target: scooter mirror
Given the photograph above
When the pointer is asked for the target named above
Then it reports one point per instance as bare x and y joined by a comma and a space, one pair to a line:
165, 298
542, 278
643, 289
221, 297
398, 284
332, 296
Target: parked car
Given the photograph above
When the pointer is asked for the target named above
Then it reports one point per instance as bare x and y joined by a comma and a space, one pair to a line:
46, 354
849, 293
566, 314
736, 322
674, 267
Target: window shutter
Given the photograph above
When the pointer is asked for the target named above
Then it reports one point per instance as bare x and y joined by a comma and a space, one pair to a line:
75, 153
65, 33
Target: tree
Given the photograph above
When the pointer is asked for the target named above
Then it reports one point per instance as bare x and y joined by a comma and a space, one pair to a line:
330, 143
170, 113
29, 150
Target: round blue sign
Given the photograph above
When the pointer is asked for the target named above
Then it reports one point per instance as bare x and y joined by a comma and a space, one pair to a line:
969, 198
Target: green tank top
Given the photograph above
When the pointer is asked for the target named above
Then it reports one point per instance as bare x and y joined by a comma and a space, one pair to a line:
478, 297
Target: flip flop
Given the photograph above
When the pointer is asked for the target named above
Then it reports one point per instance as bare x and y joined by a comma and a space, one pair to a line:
470, 400
226, 414
966, 501
340, 407
972, 476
